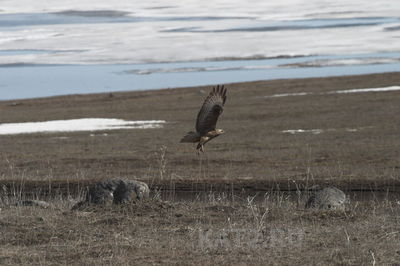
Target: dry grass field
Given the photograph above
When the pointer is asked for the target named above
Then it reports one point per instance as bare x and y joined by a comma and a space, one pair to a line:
242, 202
214, 232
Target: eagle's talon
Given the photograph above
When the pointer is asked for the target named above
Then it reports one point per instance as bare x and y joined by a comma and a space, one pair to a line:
200, 149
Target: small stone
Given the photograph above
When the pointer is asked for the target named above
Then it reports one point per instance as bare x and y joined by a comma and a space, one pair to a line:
329, 198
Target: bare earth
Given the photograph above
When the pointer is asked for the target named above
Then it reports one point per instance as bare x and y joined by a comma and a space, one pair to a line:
352, 142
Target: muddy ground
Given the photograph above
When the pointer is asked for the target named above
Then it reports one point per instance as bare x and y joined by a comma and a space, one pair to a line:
359, 142
351, 141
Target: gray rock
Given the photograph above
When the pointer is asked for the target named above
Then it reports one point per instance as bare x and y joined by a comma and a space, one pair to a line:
102, 192
117, 191
130, 190
329, 198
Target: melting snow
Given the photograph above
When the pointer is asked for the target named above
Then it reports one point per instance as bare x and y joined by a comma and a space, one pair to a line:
319, 131
384, 89
289, 94
294, 131
392, 88
72, 125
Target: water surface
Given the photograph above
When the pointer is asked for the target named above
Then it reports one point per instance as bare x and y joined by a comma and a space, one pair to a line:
84, 47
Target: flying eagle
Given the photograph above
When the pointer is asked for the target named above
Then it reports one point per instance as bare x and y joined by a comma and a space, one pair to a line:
207, 119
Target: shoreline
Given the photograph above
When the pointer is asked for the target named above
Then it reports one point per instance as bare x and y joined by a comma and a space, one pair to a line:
126, 78
188, 87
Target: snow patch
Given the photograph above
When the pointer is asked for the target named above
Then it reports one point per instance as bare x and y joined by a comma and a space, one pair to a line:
391, 88
73, 125
383, 89
294, 131
288, 94
319, 131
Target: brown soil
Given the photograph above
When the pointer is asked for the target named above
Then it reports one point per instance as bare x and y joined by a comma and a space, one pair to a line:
254, 147
358, 150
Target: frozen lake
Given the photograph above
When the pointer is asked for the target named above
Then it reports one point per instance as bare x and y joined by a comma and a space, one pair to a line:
98, 46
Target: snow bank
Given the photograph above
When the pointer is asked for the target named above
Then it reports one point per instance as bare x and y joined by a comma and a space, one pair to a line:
83, 124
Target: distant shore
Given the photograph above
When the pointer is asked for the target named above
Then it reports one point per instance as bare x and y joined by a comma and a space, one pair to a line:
23, 81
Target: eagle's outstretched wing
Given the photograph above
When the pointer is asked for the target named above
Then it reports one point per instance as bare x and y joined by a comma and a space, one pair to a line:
211, 109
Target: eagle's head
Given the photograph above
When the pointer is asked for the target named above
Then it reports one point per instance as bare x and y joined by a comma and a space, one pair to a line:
220, 131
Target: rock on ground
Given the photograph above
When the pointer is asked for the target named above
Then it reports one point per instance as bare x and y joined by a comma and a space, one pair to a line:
127, 191
117, 191
329, 198
102, 192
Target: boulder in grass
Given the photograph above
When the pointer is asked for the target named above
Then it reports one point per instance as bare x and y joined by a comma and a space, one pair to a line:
130, 190
329, 198
117, 191
102, 192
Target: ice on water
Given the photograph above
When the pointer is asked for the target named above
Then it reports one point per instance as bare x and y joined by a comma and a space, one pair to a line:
183, 30
104, 46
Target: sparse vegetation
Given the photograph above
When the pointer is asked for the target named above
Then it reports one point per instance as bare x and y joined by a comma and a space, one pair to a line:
272, 229
241, 203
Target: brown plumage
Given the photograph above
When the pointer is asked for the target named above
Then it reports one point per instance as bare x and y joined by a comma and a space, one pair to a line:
207, 119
